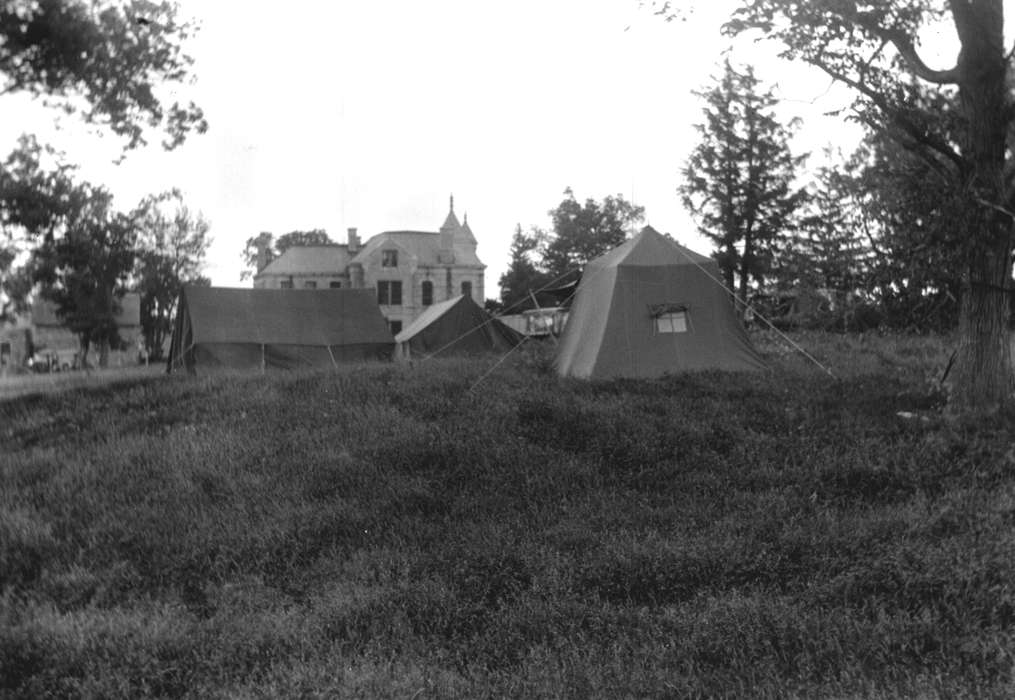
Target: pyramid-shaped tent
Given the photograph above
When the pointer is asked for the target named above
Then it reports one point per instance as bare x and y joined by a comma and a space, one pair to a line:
221, 328
648, 307
458, 326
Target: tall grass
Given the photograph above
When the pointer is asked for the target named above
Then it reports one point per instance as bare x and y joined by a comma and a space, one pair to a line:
400, 531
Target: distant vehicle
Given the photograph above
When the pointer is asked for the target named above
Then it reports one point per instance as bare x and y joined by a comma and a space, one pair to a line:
544, 322
52, 360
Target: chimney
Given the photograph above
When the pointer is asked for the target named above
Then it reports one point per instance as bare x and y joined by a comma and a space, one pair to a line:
352, 240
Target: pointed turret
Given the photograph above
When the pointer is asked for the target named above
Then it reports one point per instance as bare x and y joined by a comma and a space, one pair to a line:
467, 236
448, 233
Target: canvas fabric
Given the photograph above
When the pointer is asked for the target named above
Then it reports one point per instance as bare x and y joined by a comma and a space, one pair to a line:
458, 326
219, 328
611, 329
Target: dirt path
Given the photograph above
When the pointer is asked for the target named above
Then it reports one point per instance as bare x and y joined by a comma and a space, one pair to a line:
21, 385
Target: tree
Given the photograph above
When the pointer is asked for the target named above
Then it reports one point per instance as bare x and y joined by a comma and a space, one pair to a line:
523, 276
910, 217
83, 249
738, 179
582, 232
85, 270
102, 58
172, 243
265, 243
872, 47
827, 251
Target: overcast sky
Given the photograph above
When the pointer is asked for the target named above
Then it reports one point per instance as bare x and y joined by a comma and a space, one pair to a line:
337, 114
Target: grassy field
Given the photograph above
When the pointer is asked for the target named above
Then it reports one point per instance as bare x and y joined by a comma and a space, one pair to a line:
399, 531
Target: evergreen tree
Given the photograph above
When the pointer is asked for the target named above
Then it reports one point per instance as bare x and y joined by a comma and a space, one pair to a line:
873, 48
738, 180
523, 276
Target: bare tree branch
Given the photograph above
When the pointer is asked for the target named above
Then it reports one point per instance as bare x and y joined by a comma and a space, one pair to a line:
912, 129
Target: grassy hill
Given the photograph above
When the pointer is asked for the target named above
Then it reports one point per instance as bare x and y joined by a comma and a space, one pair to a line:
399, 531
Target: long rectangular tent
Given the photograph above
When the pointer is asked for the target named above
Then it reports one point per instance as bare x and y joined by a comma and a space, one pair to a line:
224, 328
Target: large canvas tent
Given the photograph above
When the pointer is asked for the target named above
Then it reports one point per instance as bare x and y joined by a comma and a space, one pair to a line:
222, 328
648, 307
458, 326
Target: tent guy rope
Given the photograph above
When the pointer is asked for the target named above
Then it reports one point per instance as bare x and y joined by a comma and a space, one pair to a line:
757, 313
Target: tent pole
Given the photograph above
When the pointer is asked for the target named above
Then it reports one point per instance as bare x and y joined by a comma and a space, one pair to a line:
262, 358
333, 363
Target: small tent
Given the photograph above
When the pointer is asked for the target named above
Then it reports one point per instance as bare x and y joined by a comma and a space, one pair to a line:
648, 307
458, 326
221, 328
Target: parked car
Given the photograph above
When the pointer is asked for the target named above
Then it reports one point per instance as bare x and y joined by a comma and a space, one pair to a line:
52, 360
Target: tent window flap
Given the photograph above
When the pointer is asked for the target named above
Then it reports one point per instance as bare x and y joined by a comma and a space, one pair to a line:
669, 318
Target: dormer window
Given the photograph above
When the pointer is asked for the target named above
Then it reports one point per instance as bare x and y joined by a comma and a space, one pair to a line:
389, 258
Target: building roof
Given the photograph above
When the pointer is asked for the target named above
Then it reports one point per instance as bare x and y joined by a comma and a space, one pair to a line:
467, 232
44, 312
422, 246
328, 259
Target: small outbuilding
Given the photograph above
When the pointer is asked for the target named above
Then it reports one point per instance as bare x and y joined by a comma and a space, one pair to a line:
648, 307
458, 326
224, 328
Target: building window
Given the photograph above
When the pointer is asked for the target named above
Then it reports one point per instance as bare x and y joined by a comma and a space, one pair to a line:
467, 289
389, 293
671, 322
389, 258
427, 293
395, 326
310, 284
285, 284
334, 285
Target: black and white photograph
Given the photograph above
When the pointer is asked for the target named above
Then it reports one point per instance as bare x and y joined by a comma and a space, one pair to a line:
548, 349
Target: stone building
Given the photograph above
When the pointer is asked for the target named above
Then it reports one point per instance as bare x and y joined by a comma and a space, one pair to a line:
410, 270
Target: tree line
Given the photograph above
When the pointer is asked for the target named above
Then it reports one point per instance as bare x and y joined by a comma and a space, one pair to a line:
914, 229
917, 223
62, 238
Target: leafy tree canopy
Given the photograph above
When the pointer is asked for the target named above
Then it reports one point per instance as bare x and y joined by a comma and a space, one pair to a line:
172, 243
102, 59
271, 248
873, 47
581, 232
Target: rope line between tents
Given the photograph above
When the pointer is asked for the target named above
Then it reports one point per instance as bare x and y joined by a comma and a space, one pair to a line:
526, 337
498, 363
747, 305
492, 318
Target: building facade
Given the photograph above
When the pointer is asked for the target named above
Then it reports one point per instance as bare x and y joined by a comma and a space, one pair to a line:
409, 270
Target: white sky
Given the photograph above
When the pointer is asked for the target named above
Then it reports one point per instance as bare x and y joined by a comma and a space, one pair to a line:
333, 114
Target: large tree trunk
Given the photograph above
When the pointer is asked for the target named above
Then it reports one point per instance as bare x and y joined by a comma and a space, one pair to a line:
984, 377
